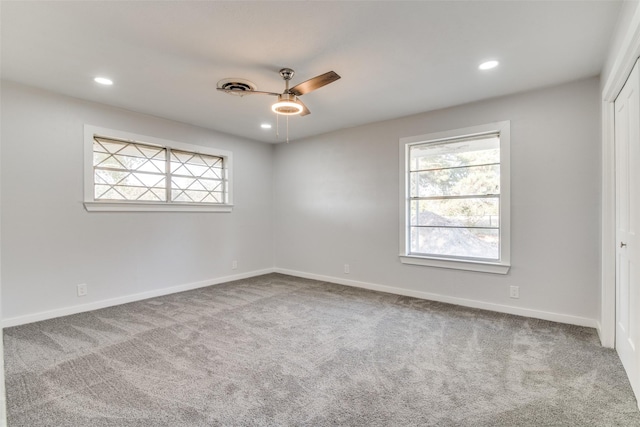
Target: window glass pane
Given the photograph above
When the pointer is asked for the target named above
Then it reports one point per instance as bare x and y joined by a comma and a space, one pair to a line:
108, 146
156, 166
214, 198
128, 171
153, 195
454, 197
193, 164
133, 171
455, 242
149, 180
99, 157
192, 196
135, 163
109, 194
112, 146
130, 192
181, 182
109, 176
109, 162
196, 178
484, 212
131, 151
467, 152
464, 181
212, 185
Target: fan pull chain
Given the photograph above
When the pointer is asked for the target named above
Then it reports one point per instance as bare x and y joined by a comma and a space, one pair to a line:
278, 127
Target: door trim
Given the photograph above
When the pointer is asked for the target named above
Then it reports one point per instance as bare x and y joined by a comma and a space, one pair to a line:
623, 64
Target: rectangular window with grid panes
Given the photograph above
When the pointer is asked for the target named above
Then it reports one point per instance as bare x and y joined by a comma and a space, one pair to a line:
456, 199
143, 173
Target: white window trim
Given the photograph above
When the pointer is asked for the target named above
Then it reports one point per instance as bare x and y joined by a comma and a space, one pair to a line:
501, 266
93, 205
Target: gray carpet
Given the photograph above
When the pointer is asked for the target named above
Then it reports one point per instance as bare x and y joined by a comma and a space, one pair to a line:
278, 351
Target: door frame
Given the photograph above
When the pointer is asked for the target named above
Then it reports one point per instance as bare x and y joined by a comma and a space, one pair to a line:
622, 66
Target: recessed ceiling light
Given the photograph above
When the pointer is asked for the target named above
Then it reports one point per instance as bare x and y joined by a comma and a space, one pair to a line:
103, 81
488, 65
265, 126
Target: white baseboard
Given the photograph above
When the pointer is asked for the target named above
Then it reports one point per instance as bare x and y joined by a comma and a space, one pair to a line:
605, 340
536, 314
518, 311
45, 315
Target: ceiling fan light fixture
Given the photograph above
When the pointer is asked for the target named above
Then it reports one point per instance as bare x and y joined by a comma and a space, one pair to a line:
287, 105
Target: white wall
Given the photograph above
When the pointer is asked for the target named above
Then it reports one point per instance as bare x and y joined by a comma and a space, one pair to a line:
336, 203
50, 243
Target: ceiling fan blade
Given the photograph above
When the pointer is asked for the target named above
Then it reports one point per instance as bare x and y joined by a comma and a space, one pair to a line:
314, 83
241, 92
305, 110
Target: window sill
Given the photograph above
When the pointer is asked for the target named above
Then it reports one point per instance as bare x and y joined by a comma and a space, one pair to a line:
484, 267
153, 207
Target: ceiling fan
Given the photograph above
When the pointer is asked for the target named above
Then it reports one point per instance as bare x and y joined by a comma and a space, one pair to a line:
288, 103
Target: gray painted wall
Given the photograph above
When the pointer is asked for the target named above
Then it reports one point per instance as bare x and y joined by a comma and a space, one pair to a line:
50, 243
309, 207
336, 203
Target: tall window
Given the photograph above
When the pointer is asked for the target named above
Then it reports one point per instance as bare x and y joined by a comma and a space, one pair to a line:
454, 201
127, 174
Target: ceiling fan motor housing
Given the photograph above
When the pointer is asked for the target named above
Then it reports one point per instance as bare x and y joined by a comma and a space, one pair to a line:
287, 73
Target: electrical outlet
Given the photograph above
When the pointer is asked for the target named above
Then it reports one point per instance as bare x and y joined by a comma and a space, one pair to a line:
346, 269
82, 290
514, 291
234, 265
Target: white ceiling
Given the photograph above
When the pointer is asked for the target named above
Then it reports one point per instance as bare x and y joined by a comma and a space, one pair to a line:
395, 58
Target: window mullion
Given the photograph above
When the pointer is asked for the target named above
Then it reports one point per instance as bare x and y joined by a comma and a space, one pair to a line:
223, 175
476, 196
168, 174
455, 167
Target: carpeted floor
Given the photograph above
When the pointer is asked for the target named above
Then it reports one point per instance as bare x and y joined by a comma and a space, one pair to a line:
278, 351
